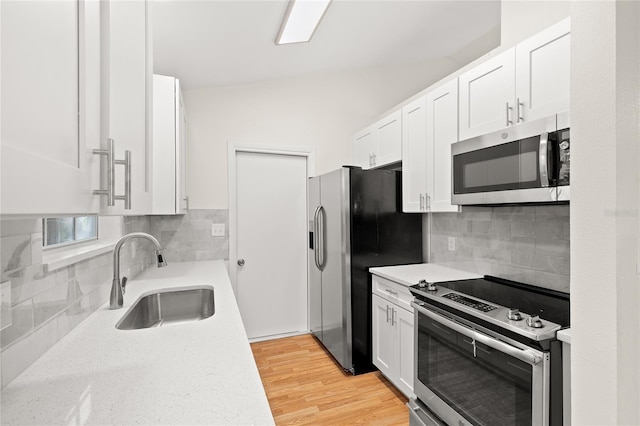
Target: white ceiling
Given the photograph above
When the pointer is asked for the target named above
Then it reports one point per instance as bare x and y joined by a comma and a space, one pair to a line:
214, 43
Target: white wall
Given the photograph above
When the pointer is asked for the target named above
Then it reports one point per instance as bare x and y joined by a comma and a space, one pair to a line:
522, 19
321, 112
605, 289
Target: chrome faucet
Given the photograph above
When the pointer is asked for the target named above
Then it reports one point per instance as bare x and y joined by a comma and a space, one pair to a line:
117, 287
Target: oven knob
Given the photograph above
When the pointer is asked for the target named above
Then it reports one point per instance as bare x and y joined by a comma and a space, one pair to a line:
422, 283
420, 303
534, 321
432, 287
514, 315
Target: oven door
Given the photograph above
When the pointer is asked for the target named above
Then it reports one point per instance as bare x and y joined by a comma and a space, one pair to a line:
467, 377
510, 166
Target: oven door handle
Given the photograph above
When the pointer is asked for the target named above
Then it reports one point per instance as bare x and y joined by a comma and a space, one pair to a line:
523, 355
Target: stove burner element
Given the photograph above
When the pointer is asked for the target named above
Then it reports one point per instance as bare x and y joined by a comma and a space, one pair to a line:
514, 315
475, 304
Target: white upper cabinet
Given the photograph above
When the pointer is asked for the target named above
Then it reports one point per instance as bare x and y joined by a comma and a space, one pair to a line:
442, 131
379, 144
389, 131
414, 156
524, 83
50, 107
429, 127
365, 144
126, 101
169, 147
543, 73
487, 95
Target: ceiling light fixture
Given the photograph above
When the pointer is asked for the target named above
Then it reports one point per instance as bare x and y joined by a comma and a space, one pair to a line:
301, 20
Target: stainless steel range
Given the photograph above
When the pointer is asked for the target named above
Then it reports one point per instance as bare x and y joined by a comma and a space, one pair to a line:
487, 354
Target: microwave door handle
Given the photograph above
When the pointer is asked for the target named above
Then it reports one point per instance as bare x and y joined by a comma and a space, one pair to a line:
543, 158
523, 355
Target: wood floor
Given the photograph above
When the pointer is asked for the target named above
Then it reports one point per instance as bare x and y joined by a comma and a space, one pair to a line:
305, 386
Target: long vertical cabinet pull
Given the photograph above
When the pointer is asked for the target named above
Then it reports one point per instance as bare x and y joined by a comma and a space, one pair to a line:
111, 179
110, 192
127, 180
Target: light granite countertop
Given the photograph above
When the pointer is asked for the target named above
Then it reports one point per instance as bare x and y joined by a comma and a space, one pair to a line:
195, 373
410, 274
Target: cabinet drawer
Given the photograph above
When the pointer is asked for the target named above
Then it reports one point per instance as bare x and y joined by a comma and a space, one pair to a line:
393, 292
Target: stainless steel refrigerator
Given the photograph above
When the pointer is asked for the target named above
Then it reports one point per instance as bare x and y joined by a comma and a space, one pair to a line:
355, 222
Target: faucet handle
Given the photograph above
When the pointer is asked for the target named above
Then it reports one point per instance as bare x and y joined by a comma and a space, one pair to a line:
123, 283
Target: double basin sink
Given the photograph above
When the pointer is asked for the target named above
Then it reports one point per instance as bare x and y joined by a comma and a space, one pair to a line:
169, 306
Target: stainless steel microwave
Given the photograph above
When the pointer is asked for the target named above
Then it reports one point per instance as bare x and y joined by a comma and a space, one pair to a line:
525, 163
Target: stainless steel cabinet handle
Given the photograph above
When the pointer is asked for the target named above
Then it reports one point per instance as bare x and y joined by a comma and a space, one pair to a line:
111, 181
395, 293
370, 160
388, 313
374, 159
421, 202
427, 202
523, 355
393, 316
127, 180
509, 120
110, 192
240, 262
186, 203
519, 108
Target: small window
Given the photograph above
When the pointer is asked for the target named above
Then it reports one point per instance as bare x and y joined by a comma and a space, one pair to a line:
62, 231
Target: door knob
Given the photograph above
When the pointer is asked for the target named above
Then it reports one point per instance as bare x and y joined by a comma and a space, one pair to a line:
240, 262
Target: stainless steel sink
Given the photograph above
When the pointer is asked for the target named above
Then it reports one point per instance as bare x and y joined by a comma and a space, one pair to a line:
170, 306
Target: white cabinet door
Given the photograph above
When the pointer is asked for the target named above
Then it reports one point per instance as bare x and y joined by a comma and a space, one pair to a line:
404, 343
487, 94
389, 137
50, 107
414, 156
182, 197
365, 145
542, 73
126, 99
169, 147
383, 340
442, 131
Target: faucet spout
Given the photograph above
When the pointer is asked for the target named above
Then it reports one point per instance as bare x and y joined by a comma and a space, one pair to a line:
116, 299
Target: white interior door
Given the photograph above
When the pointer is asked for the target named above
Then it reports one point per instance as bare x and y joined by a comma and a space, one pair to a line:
271, 241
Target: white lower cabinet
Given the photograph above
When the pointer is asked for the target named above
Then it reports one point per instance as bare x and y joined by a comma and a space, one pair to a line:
393, 330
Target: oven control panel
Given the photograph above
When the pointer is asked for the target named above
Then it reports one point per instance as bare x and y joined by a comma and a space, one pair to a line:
510, 319
467, 301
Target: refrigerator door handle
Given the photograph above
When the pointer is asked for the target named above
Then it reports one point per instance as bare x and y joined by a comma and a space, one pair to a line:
316, 232
321, 239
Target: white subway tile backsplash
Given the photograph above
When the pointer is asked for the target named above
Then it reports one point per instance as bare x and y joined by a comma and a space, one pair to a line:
523, 243
50, 303
16, 253
21, 323
73, 315
5, 305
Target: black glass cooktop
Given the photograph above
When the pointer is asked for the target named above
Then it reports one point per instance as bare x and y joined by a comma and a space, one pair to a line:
549, 304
